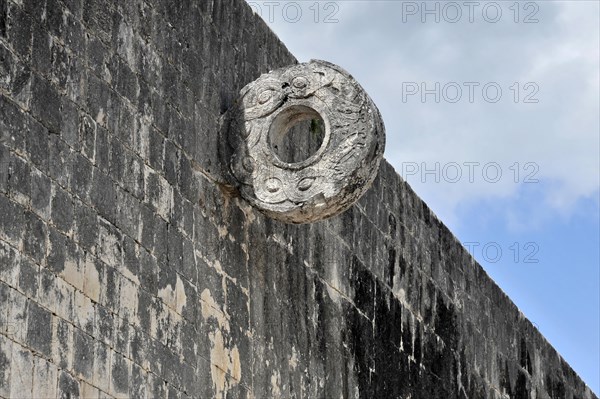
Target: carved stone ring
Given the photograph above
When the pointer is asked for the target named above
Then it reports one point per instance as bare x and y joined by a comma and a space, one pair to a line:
337, 174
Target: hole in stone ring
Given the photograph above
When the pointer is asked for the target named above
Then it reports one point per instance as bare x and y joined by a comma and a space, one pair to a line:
296, 134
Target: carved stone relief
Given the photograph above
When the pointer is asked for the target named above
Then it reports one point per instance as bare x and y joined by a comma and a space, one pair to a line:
326, 182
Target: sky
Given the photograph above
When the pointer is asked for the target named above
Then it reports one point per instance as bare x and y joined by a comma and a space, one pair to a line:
492, 116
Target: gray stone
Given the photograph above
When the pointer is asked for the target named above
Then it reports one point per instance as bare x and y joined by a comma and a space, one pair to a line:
41, 192
62, 210
46, 104
34, 243
39, 329
83, 357
68, 387
343, 166
19, 177
12, 222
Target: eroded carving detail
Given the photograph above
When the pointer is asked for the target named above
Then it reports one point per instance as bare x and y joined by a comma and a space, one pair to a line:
333, 178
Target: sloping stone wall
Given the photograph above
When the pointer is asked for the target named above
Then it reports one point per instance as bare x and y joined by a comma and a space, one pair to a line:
126, 270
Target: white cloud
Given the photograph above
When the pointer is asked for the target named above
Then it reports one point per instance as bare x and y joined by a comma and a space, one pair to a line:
559, 54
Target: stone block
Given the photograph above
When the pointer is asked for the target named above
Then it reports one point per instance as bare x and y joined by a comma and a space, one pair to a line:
84, 315
46, 104
159, 193
39, 329
82, 180
120, 376
56, 294
68, 386
19, 30
83, 355
110, 292
89, 391
10, 261
102, 365
21, 372
12, 222
45, 379
17, 316
41, 193
62, 343
60, 161
6, 349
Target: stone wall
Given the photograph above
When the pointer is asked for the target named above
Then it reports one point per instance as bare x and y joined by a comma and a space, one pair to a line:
127, 271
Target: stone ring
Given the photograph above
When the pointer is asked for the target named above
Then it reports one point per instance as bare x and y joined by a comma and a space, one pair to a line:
350, 141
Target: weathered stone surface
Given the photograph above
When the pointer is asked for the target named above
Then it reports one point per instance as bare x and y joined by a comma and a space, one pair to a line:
127, 269
342, 167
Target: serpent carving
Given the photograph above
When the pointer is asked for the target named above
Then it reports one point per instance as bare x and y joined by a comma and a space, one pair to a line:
330, 180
